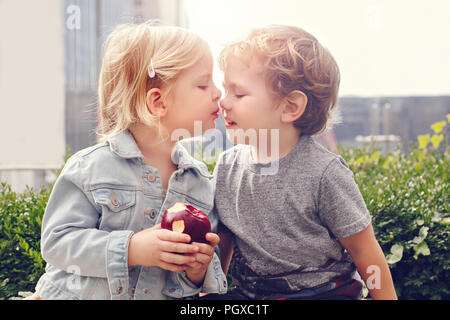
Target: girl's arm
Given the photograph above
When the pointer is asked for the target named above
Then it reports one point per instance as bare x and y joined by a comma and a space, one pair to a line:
196, 271
371, 263
166, 249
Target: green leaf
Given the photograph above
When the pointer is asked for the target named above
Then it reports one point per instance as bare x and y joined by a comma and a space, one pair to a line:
421, 248
375, 156
396, 254
423, 139
438, 126
420, 222
423, 232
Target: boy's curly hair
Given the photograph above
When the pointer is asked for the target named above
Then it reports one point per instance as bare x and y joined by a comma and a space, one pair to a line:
294, 60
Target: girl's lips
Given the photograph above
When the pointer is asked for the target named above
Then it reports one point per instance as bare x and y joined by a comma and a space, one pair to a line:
216, 113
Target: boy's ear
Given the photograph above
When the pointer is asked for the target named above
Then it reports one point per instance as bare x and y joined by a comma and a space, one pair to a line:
294, 106
155, 103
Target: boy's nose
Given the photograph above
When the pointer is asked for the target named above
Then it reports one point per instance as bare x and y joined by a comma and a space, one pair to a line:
224, 104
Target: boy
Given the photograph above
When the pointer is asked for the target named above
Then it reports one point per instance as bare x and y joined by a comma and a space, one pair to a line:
290, 210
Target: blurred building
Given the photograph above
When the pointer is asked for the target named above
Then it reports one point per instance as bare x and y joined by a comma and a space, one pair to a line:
50, 57
403, 118
83, 54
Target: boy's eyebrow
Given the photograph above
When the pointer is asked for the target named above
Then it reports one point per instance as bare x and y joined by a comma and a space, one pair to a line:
232, 84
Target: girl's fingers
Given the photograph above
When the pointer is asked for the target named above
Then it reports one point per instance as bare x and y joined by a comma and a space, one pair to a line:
204, 259
174, 258
156, 227
212, 238
172, 267
201, 260
179, 247
167, 235
204, 248
195, 265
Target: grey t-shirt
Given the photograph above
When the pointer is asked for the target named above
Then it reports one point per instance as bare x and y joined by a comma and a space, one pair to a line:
287, 222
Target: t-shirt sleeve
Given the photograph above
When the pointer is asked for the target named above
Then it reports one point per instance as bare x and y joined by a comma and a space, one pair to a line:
341, 206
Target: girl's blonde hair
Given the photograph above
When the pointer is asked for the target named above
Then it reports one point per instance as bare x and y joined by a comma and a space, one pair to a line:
294, 60
124, 80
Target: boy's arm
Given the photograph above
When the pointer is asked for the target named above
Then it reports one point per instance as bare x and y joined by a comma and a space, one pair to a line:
225, 235
371, 263
226, 250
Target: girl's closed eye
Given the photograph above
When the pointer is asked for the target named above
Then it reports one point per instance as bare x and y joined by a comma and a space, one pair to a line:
239, 96
203, 87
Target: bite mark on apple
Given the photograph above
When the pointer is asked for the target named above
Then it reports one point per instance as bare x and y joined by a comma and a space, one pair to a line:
178, 226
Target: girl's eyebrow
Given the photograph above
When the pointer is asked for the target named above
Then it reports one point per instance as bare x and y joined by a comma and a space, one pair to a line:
206, 76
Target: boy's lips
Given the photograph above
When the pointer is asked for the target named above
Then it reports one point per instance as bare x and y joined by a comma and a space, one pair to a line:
229, 123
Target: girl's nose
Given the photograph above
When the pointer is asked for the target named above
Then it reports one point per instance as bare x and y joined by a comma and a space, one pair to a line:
217, 95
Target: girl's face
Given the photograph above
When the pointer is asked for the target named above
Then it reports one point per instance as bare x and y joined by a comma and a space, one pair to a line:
194, 99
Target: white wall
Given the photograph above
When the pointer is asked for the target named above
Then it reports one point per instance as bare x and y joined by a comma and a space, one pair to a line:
31, 84
383, 47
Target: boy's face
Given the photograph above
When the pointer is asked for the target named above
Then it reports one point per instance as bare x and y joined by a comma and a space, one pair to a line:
248, 104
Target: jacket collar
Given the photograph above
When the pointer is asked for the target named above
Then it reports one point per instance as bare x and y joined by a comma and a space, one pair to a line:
124, 146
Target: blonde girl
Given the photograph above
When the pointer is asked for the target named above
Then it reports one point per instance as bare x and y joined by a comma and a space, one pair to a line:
101, 234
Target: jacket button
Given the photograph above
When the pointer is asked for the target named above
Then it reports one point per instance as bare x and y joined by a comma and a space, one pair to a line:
151, 177
152, 213
114, 200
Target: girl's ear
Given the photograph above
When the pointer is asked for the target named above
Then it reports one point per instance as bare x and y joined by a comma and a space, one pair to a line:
155, 103
294, 106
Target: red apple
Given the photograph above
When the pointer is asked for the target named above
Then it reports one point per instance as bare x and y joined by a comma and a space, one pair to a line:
185, 218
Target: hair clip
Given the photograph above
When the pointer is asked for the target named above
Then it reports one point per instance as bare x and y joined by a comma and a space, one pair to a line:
151, 72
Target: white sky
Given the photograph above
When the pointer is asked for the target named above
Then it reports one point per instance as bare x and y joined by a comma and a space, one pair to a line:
383, 47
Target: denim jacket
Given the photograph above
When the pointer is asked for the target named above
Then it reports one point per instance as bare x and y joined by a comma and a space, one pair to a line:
104, 194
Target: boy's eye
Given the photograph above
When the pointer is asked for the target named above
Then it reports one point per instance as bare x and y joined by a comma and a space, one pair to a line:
239, 96
203, 87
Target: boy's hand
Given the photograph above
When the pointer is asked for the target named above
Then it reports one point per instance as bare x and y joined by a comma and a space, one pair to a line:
196, 270
161, 248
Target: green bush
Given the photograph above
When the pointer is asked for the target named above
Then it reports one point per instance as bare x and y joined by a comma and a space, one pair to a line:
408, 198
21, 263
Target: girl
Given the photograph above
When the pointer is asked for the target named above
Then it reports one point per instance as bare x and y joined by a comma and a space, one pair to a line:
101, 236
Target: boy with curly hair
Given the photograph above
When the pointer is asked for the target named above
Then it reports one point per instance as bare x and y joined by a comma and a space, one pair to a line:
300, 231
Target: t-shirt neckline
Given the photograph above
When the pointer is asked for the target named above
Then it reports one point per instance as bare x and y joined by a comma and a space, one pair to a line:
281, 163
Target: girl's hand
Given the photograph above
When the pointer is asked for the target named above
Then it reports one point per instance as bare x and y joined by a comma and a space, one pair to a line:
162, 248
196, 270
